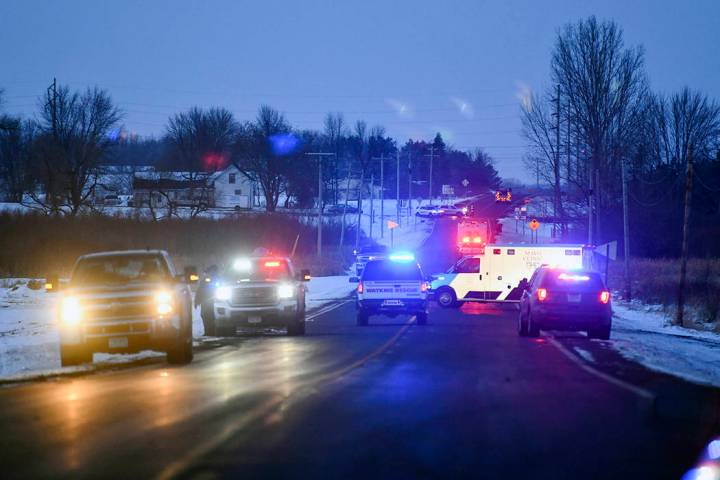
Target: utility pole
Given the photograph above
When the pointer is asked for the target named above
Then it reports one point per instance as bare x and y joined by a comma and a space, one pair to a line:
381, 158
432, 156
397, 187
626, 231
556, 169
409, 185
686, 228
320, 156
52, 101
591, 205
372, 203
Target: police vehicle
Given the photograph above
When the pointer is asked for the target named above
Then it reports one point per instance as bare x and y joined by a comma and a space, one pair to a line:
496, 274
392, 286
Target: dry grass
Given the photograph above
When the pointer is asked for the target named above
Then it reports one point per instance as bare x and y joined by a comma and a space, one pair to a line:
34, 245
655, 281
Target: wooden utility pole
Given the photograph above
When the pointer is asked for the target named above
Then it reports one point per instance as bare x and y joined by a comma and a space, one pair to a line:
626, 232
397, 187
319, 156
686, 228
432, 156
381, 158
556, 169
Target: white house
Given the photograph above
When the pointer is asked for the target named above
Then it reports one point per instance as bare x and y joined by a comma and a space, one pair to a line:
233, 189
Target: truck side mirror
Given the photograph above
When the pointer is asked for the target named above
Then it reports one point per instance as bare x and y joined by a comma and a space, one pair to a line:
190, 275
52, 283
353, 280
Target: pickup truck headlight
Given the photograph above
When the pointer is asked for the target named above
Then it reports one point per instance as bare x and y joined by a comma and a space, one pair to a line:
164, 301
285, 290
70, 311
223, 293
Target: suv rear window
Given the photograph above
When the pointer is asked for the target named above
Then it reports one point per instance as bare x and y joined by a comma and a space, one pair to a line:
388, 270
578, 281
120, 269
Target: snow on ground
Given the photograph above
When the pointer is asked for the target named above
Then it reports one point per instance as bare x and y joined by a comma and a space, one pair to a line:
644, 334
29, 336
409, 235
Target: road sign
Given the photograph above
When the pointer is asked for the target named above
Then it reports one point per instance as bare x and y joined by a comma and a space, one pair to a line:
465, 183
607, 250
392, 224
448, 190
534, 224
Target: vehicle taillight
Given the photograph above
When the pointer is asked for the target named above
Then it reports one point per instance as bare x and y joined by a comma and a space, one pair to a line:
424, 287
466, 240
360, 287
604, 296
272, 264
477, 240
542, 294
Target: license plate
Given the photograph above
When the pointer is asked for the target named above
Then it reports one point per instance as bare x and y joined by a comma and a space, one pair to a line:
574, 297
118, 342
254, 319
393, 303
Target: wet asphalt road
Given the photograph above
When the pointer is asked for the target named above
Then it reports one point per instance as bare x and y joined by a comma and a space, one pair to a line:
463, 397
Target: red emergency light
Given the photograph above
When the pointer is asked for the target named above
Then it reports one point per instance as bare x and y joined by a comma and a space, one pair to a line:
272, 264
477, 240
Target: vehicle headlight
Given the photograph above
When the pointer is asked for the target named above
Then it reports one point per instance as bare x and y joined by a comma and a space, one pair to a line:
164, 301
286, 290
223, 293
70, 311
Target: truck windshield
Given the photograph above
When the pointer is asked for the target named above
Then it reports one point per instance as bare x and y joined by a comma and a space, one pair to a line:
120, 269
259, 270
388, 270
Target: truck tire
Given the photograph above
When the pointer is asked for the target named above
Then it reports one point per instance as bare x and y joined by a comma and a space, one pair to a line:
362, 318
71, 355
182, 352
447, 298
422, 318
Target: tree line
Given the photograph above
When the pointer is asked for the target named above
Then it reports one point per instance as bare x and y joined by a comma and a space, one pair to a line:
600, 116
53, 159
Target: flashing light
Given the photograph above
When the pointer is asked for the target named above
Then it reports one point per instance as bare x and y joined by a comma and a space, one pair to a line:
307, 277
604, 296
542, 294
466, 239
242, 264
360, 288
223, 293
194, 277
477, 240
163, 300
573, 278
208, 279
48, 286
272, 264
286, 290
464, 210
402, 257
424, 287
71, 312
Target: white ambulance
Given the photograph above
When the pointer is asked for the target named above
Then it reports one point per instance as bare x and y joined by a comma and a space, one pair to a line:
495, 274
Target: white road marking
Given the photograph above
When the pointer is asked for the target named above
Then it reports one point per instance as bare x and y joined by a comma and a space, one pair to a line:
640, 392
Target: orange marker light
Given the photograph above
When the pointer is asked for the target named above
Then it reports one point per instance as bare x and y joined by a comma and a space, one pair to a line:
604, 296
360, 288
542, 294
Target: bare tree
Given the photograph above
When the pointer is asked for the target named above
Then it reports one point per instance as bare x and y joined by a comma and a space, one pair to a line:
203, 141
264, 152
335, 133
73, 141
602, 81
15, 163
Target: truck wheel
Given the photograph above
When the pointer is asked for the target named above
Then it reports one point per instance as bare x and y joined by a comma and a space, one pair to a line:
71, 355
522, 325
362, 318
181, 353
446, 298
421, 318
297, 328
533, 327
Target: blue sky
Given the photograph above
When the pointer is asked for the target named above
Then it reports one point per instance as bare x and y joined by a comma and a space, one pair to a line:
416, 67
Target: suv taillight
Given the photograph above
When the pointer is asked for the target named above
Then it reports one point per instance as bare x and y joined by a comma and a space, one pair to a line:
542, 294
424, 287
360, 288
604, 296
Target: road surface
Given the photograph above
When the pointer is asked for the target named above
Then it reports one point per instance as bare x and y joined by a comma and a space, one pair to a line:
463, 397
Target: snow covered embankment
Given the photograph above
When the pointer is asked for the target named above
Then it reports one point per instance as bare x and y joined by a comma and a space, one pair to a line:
644, 334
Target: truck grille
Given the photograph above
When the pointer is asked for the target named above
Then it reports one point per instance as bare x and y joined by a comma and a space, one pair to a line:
118, 329
100, 309
254, 296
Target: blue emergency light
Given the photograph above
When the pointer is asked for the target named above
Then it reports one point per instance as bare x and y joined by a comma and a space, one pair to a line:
402, 257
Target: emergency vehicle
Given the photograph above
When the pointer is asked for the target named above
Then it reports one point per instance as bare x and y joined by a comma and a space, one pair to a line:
472, 235
495, 274
392, 286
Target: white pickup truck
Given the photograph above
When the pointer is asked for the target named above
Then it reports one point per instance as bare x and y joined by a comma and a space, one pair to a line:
392, 287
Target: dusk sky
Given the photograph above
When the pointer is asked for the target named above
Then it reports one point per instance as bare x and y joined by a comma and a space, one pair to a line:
415, 67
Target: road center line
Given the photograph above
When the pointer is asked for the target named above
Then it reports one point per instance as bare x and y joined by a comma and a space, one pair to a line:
640, 392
